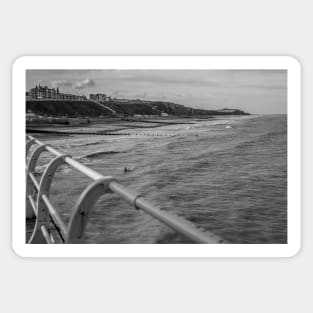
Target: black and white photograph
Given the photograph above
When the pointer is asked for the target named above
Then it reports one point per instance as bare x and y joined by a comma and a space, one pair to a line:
156, 156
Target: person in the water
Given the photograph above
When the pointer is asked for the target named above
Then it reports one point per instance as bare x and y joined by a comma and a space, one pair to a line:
128, 169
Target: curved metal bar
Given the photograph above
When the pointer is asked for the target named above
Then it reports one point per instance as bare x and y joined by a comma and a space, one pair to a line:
34, 158
29, 144
47, 176
29, 184
83, 207
44, 189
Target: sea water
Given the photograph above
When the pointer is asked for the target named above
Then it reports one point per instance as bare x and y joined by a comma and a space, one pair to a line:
227, 175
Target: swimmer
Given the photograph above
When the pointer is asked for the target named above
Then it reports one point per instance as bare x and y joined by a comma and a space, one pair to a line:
128, 169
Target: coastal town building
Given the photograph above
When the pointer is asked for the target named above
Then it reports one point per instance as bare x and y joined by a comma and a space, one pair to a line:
100, 97
43, 92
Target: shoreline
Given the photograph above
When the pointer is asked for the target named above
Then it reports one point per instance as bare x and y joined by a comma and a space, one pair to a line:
107, 127
113, 127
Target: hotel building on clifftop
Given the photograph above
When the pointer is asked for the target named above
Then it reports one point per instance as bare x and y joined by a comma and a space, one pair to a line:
44, 93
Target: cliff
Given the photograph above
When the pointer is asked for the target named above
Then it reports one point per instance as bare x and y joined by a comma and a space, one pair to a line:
93, 109
66, 108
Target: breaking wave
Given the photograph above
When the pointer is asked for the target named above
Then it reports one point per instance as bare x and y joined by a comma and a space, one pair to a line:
97, 154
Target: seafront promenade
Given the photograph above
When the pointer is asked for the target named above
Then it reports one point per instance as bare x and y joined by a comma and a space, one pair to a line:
44, 223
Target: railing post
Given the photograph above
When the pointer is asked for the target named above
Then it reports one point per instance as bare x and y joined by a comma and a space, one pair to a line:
29, 185
44, 189
83, 207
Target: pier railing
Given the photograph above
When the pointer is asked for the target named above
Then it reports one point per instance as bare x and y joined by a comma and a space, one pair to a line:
49, 226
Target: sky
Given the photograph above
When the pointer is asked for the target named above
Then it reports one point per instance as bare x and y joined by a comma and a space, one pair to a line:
254, 91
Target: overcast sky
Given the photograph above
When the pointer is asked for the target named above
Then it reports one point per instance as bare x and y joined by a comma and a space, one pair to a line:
254, 91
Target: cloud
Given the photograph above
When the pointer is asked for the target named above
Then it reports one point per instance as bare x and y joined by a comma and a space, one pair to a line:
61, 83
84, 84
81, 84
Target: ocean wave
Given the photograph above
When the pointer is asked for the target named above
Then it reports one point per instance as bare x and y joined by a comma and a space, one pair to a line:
93, 143
105, 152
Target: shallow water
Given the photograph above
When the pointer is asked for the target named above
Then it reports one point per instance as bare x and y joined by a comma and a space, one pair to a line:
227, 175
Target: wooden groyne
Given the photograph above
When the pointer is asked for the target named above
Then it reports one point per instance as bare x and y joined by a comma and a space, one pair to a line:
88, 132
74, 132
45, 225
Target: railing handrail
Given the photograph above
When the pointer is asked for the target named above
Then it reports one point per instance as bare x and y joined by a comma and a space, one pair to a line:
74, 232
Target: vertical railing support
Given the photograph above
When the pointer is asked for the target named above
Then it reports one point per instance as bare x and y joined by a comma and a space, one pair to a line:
44, 189
83, 207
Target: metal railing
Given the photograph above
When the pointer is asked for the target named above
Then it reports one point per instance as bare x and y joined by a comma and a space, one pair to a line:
49, 226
